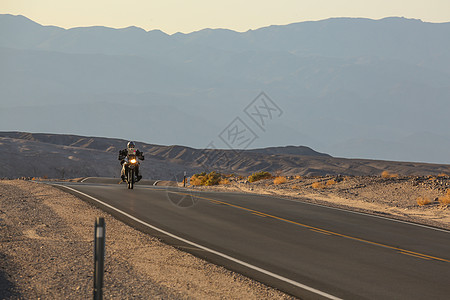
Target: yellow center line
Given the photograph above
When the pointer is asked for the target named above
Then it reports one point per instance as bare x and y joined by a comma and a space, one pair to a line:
320, 231
216, 202
324, 230
418, 256
259, 215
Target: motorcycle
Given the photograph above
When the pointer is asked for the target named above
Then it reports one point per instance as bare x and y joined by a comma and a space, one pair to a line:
130, 165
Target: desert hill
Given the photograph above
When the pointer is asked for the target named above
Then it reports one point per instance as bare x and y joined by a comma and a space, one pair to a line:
70, 156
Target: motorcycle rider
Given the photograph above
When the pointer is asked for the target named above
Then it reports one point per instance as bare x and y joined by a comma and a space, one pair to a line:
130, 150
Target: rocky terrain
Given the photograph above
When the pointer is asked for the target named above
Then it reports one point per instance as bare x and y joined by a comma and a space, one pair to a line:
71, 156
46, 252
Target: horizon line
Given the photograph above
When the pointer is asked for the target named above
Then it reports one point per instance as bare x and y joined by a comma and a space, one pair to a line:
222, 28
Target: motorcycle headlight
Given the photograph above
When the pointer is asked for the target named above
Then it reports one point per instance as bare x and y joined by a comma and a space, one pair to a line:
133, 161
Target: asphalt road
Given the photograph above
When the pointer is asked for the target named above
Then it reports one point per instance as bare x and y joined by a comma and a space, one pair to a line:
306, 250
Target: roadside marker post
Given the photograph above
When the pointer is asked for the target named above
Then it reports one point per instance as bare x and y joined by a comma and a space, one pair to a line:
99, 257
184, 179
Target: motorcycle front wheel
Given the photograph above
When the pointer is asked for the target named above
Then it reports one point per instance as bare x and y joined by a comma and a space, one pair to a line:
130, 179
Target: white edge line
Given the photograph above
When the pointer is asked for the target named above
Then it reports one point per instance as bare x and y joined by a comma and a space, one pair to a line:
156, 182
279, 277
85, 179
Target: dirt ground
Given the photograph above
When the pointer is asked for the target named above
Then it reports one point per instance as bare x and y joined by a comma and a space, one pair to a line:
46, 252
394, 196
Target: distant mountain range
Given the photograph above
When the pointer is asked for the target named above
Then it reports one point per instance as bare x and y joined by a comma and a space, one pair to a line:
349, 87
71, 156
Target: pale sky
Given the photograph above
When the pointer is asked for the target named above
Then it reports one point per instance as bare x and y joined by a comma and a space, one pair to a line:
173, 16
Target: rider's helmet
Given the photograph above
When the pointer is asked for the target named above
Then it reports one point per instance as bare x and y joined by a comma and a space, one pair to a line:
130, 145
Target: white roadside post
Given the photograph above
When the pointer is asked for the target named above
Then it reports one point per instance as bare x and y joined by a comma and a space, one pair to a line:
99, 257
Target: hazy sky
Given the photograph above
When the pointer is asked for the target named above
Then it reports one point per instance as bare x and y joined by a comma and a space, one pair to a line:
186, 16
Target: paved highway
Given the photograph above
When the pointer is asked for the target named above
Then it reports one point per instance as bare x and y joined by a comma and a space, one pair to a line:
306, 250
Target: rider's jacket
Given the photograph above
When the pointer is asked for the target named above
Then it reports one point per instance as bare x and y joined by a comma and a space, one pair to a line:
128, 152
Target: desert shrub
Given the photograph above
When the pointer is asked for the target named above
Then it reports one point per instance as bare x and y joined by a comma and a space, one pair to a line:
224, 181
317, 185
279, 180
445, 200
196, 180
442, 175
331, 182
421, 201
212, 178
386, 174
259, 176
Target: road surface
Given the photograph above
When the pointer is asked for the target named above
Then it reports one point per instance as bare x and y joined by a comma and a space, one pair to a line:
307, 250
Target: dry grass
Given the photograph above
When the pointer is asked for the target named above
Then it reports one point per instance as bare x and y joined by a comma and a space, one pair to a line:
386, 174
445, 200
442, 175
421, 201
331, 182
279, 180
318, 185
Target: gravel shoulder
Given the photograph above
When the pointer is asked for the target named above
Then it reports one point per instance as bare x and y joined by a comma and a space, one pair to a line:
46, 251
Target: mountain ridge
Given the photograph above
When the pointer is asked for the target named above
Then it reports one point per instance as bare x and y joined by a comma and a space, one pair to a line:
69, 156
104, 143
